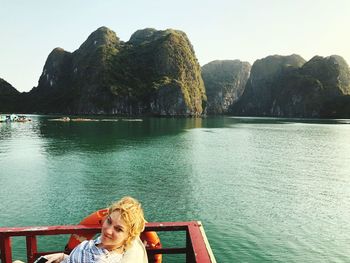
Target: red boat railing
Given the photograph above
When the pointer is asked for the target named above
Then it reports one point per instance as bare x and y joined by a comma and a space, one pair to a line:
196, 249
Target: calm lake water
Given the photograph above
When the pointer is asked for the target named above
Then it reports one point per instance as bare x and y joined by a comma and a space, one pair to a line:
266, 190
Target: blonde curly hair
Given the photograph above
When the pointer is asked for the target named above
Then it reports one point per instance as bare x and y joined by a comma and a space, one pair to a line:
132, 214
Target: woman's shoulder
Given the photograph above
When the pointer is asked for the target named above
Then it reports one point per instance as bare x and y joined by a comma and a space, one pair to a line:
136, 253
88, 243
85, 245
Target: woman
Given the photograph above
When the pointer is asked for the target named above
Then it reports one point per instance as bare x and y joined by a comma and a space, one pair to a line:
119, 241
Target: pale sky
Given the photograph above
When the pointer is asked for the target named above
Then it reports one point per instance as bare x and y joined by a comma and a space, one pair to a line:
219, 29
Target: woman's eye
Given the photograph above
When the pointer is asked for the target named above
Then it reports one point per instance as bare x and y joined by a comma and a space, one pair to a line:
118, 229
109, 221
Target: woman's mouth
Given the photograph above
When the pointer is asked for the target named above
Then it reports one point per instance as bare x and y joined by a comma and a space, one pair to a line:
106, 236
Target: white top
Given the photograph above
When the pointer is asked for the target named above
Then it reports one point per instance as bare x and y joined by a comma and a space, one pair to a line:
136, 253
89, 252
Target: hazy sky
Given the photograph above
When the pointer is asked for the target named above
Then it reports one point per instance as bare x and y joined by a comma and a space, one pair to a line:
220, 29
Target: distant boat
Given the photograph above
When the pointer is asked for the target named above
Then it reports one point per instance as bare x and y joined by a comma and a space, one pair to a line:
64, 119
13, 118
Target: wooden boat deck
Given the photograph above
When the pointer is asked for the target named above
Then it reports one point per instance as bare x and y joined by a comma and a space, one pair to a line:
196, 249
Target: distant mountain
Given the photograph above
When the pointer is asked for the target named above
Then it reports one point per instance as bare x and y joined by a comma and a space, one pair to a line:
155, 72
8, 97
290, 87
260, 89
333, 72
224, 81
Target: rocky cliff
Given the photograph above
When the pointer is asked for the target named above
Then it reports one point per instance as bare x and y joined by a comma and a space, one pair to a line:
224, 81
260, 90
155, 72
333, 72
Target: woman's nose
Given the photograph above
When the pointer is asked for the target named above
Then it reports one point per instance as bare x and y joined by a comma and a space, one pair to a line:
109, 229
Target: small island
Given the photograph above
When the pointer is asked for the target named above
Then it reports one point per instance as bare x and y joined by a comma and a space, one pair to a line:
156, 73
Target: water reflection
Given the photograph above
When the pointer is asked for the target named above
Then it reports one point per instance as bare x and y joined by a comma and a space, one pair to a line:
109, 136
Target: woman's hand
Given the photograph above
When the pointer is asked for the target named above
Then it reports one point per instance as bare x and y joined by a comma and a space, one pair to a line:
55, 258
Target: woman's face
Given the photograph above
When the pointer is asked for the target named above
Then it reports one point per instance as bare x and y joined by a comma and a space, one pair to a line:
114, 231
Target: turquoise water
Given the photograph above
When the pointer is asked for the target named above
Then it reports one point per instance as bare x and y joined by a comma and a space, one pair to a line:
266, 190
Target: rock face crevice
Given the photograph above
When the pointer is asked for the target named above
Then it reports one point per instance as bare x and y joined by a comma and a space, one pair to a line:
155, 72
